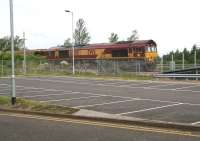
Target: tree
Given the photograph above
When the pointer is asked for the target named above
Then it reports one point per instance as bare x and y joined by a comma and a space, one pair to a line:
186, 56
81, 35
134, 36
113, 38
68, 43
5, 43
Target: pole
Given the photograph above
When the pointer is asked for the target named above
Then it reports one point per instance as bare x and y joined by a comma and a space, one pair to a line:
13, 99
24, 62
183, 61
73, 43
2, 66
172, 62
161, 64
2, 61
195, 58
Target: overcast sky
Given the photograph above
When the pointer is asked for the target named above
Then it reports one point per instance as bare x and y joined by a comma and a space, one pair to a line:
171, 24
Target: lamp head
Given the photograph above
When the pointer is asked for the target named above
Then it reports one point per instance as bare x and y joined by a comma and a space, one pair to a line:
67, 11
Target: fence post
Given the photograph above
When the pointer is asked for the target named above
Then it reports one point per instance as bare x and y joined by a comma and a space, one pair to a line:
97, 71
136, 70
40, 66
139, 67
161, 65
2, 67
79, 68
117, 67
195, 58
113, 61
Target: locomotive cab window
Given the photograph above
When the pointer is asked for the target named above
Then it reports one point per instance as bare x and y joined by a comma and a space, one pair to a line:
151, 49
154, 49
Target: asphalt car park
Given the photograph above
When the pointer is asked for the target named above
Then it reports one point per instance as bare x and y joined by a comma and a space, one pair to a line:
170, 101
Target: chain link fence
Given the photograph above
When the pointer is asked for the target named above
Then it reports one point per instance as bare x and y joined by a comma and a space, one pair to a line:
98, 67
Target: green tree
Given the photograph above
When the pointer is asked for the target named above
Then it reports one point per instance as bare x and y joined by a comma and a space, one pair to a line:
186, 56
68, 43
81, 35
134, 36
5, 43
113, 38
178, 57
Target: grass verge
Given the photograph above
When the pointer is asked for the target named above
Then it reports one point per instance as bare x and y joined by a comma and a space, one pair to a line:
29, 105
122, 76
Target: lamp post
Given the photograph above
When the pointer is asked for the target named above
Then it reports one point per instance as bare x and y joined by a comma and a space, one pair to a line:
73, 67
172, 63
195, 57
24, 61
13, 99
161, 64
183, 60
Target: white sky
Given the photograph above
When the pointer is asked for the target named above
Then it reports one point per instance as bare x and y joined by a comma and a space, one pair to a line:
171, 23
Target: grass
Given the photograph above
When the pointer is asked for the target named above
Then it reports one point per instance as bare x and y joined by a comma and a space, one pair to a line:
29, 105
123, 76
4, 100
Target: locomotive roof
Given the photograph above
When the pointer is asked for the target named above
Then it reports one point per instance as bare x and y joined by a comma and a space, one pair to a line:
118, 45
123, 44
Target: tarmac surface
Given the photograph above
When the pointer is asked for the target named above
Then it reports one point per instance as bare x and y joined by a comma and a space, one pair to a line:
167, 101
18, 127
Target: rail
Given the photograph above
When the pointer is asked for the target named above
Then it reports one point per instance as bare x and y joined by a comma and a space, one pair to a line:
177, 75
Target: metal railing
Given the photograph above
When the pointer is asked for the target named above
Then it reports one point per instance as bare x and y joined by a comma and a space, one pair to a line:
177, 75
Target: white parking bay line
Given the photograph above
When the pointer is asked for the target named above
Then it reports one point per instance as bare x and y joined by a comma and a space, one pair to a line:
5, 89
73, 98
28, 91
33, 96
186, 87
105, 103
5, 93
143, 110
123, 86
4, 84
195, 123
160, 85
43, 89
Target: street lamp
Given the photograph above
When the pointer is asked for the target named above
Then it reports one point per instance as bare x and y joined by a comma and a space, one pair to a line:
24, 61
161, 64
72, 39
172, 63
13, 99
183, 60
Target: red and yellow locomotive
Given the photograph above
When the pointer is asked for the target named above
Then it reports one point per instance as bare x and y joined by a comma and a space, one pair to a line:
143, 50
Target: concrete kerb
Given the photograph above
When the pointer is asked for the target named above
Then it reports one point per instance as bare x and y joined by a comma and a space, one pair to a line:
134, 122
